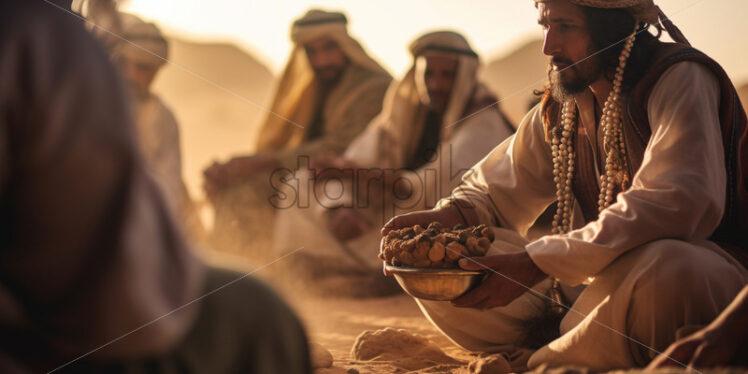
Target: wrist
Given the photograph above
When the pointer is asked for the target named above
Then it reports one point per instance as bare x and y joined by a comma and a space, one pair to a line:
538, 273
465, 211
274, 163
450, 215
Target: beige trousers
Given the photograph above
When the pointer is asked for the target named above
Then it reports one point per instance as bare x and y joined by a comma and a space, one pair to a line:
628, 314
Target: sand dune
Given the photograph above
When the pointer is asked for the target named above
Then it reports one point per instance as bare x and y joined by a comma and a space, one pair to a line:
515, 75
216, 92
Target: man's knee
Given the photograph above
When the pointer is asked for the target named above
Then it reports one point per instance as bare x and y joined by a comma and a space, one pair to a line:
673, 265
676, 283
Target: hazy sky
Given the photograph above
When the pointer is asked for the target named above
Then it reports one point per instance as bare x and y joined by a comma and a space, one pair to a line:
385, 27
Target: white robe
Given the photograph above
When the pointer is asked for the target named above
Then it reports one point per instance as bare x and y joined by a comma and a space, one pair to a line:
158, 136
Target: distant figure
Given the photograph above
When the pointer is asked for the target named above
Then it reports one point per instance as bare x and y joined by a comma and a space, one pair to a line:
329, 91
94, 275
140, 57
437, 122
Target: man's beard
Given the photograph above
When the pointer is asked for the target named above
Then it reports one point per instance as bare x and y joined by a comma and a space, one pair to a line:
329, 75
573, 79
438, 100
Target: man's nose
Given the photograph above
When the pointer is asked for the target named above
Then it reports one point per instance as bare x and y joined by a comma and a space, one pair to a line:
322, 59
551, 45
431, 84
435, 84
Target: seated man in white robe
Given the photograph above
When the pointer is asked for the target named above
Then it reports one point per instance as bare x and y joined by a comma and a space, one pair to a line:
639, 145
437, 122
140, 57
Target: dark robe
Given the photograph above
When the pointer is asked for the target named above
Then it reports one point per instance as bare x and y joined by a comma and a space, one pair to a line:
93, 269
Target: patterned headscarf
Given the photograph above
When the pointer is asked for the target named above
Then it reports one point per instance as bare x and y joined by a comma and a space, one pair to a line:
641, 10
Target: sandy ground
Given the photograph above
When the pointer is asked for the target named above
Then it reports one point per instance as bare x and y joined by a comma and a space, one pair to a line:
335, 322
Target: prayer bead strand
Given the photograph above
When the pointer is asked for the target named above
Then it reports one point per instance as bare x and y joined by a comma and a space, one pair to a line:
611, 124
614, 145
562, 149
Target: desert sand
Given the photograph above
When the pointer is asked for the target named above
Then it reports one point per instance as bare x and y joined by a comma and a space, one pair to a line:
410, 345
335, 323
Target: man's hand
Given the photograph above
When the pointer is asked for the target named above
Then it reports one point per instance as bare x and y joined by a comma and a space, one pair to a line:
245, 166
516, 274
330, 161
215, 179
347, 224
448, 216
386, 272
219, 176
330, 165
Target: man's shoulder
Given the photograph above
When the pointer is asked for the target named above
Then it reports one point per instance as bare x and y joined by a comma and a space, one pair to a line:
162, 106
159, 113
676, 70
484, 108
364, 76
365, 84
676, 61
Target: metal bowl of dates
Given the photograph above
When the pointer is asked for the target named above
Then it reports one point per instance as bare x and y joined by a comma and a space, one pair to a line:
435, 284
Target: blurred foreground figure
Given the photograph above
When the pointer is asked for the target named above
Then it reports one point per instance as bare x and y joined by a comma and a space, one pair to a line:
329, 91
140, 56
91, 261
436, 123
642, 145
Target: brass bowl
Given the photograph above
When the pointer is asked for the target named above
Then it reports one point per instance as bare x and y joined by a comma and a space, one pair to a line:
435, 284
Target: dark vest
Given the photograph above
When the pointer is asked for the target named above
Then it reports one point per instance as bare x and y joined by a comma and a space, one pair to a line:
732, 233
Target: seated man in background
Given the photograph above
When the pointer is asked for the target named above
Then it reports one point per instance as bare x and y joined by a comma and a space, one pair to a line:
436, 123
95, 277
329, 90
140, 56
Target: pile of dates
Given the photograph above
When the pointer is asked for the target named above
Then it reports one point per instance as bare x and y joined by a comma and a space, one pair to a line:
434, 246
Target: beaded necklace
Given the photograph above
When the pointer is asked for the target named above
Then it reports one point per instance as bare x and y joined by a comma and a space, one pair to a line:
562, 149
